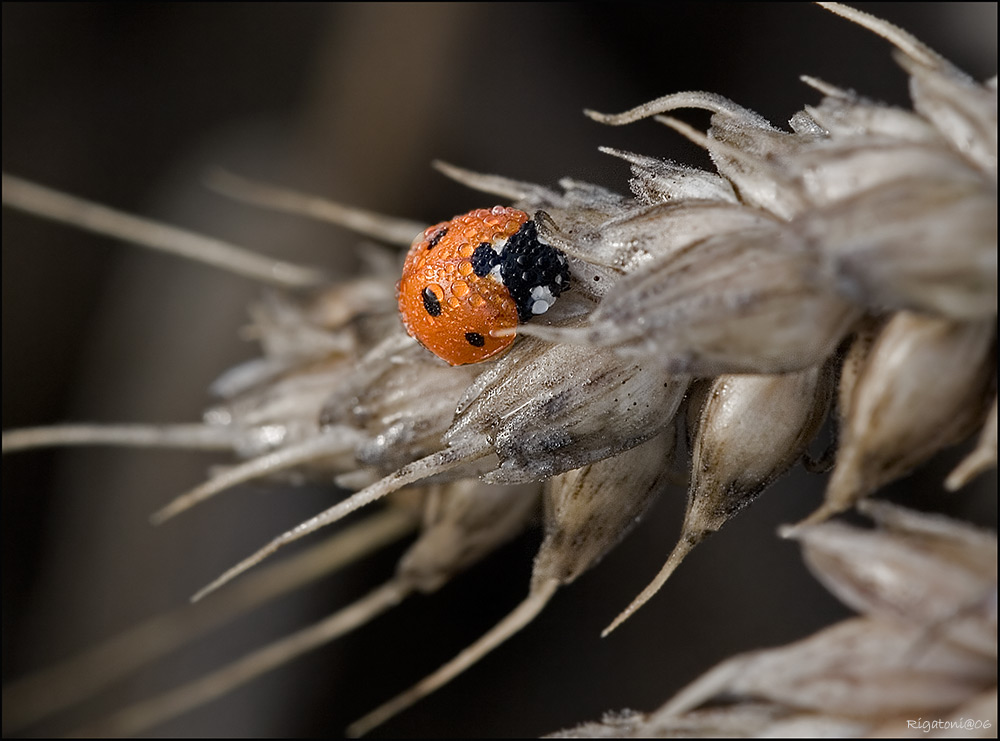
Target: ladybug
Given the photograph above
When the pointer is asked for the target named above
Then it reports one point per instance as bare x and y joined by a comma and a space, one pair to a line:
484, 271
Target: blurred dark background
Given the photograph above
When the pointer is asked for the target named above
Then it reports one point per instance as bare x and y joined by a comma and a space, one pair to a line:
129, 104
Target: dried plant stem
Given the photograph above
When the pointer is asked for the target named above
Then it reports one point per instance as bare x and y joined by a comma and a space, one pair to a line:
51, 204
678, 554
188, 437
495, 184
143, 715
523, 614
902, 40
420, 469
386, 228
48, 691
831, 91
708, 101
280, 460
717, 147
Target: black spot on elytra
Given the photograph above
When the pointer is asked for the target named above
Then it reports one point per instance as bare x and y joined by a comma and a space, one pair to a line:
435, 238
431, 303
475, 339
484, 259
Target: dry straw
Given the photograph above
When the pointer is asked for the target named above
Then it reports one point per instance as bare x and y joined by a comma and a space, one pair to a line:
843, 269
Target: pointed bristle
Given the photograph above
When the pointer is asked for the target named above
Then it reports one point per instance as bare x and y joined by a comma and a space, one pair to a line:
148, 713
93, 217
280, 460
428, 466
37, 696
388, 229
902, 40
184, 436
523, 614
681, 550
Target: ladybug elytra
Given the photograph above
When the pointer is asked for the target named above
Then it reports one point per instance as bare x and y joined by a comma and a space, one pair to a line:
481, 272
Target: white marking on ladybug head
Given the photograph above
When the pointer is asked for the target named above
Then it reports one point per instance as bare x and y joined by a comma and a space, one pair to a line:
543, 299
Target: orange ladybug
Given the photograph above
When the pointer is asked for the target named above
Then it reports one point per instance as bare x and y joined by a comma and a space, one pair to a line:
480, 272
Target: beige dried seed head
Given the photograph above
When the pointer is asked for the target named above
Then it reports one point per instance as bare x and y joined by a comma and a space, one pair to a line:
752, 429
922, 388
882, 248
802, 238
982, 458
656, 181
546, 409
464, 521
964, 112
925, 645
589, 510
722, 305
854, 358
916, 569
403, 409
